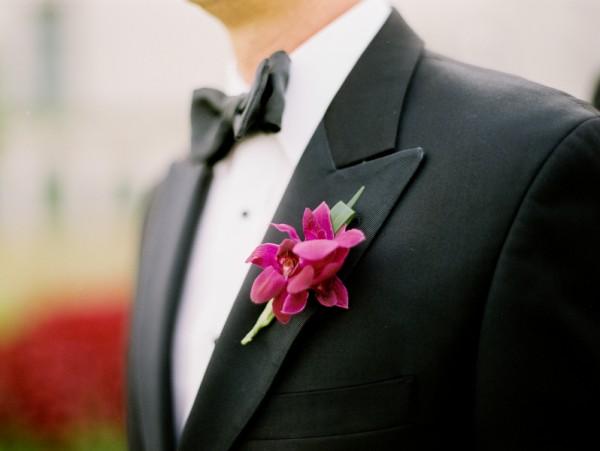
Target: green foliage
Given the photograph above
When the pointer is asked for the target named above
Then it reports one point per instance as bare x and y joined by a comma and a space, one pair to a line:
100, 439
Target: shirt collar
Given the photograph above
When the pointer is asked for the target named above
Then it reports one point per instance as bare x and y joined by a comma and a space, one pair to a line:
318, 69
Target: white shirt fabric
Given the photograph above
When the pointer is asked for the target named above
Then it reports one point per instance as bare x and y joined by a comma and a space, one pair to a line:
247, 187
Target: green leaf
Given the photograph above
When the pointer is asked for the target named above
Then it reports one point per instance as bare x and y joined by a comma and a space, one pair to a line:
352, 202
342, 213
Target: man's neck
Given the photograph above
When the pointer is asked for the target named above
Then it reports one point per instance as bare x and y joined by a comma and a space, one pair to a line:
282, 29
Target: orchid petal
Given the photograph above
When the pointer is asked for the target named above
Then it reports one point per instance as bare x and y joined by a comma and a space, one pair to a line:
285, 246
322, 216
316, 224
350, 238
341, 293
326, 297
315, 249
277, 306
301, 281
264, 255
334, 293
328, 271
267, 285
331, 265
294, 303
286, 228
309, 225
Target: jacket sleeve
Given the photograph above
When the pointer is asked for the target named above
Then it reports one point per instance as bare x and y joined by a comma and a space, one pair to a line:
538, 367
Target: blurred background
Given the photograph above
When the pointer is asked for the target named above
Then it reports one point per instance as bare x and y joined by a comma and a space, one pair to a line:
94, 99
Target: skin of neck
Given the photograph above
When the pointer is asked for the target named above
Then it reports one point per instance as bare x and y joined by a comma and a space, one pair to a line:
258, 28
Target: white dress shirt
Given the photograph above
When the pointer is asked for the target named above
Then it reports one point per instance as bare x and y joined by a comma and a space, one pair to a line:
247, 187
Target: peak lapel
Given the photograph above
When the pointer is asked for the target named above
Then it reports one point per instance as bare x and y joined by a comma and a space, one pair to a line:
344, 153
363, 119
168, 231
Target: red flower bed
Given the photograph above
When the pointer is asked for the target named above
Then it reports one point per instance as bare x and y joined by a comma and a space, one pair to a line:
65, 372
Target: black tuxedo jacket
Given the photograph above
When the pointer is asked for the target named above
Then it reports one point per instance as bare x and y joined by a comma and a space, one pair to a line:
474, 317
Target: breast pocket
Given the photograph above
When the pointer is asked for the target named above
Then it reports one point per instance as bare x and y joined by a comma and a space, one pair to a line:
357, 410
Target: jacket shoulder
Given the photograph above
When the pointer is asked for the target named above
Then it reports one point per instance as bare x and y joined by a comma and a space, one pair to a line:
495, 100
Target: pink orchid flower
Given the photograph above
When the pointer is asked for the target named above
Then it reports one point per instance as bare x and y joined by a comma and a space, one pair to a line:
293, 267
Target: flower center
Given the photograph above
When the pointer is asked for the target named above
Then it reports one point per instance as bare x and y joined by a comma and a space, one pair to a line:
288, 262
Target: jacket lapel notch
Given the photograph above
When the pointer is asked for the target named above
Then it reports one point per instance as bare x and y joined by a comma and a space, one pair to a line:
362, 120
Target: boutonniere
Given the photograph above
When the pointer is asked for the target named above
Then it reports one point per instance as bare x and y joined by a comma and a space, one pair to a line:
295, 267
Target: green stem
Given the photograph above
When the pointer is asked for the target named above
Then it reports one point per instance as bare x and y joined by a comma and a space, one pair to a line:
263, 320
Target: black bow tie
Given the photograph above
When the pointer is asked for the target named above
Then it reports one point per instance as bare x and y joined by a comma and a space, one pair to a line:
219, 120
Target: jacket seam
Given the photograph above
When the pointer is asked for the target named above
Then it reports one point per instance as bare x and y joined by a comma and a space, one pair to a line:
528, 189
517, 213
406, 379
334, 436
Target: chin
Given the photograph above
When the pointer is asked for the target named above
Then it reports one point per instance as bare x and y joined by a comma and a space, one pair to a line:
210, 3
